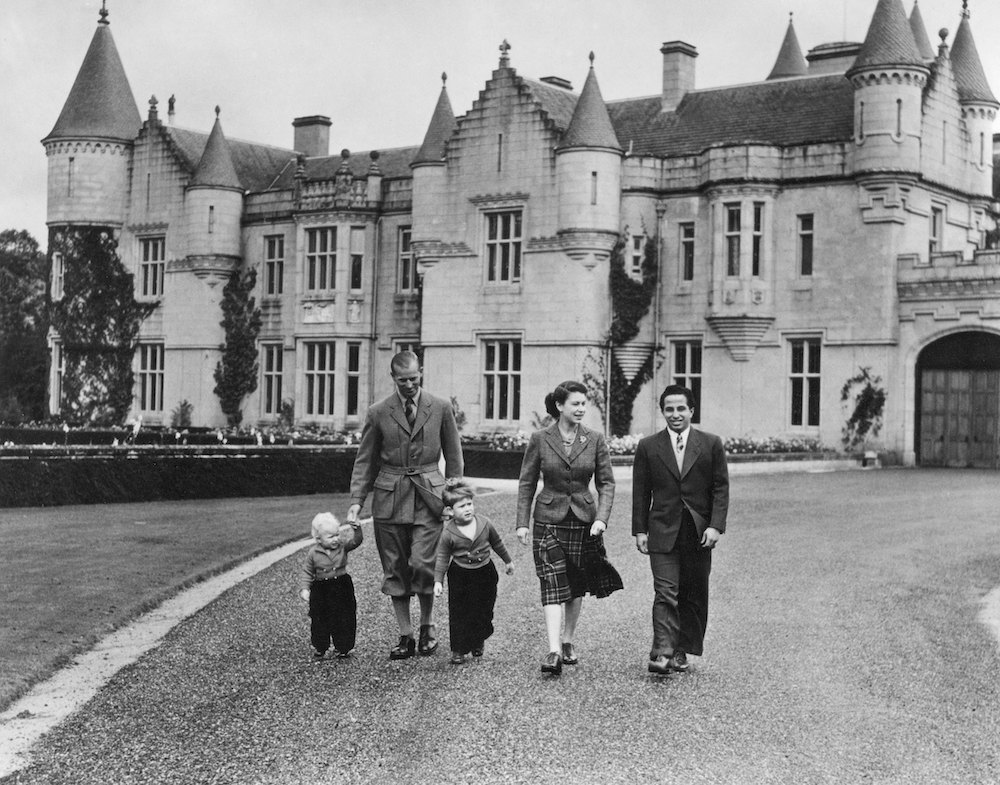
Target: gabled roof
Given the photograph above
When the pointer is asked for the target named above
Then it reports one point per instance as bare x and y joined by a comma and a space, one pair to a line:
257, 166
784, 112
920, 37
590, 126
790, 61
889, 40
969, 74
216, 165
101, 103
443, 125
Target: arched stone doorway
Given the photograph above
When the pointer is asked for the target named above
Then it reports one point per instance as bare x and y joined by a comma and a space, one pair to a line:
958, 394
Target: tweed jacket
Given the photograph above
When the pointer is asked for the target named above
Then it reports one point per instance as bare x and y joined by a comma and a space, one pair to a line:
398, 462
565, 478
661, 490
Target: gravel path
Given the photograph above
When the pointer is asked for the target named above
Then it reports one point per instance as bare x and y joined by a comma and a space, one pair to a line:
844, 647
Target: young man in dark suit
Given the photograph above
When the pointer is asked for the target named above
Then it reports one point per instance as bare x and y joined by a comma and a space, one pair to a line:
401, 445
680, 501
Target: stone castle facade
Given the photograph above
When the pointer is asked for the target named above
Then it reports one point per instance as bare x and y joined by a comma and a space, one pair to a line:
835, 216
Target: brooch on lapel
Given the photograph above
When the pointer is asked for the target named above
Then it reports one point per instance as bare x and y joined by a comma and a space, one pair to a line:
583, 439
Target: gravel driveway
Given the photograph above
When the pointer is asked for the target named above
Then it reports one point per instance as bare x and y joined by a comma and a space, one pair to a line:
843, 648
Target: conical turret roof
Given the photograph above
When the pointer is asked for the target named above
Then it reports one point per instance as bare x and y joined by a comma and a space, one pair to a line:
443, 124
790, 61
920, 37
100, 104
968, 68
889, 40
216, 168
591, 124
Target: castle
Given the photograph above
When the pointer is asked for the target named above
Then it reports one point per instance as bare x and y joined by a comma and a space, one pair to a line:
835, 216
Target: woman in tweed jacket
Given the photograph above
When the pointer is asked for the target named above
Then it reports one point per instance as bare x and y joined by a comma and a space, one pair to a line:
568, 541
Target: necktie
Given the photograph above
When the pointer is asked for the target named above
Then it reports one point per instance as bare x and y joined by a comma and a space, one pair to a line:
411, 415
680, 442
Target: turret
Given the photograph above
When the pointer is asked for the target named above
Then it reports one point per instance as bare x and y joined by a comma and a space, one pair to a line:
430, 168
90, 147
920, 37
790, 61
888, 75
979, 105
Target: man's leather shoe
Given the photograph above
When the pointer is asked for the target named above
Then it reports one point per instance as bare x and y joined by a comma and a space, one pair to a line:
552, 663
679, 662
404, 649
660, 666
428, 643
569, 654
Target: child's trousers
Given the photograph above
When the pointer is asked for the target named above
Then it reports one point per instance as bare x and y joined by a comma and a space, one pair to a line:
471, 597
334, 613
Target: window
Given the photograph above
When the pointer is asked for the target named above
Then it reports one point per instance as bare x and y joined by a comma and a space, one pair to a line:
861, 122
733, 220
70, 176
806, 244
353, 377
151, 265
58, 274
406, 262
320, 359
321, 259
273, 365
687, 251
758, 237
638, 252
593, 187
502, 379
211, 219
805, 382
503, 247
274, 264
499, 152
409, 346
357, 256
57, 374
899, 117
150, 377
937, 222
687, 371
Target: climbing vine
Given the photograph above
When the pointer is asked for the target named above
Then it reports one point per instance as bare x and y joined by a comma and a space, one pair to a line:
865, 391
236, 373
97, 320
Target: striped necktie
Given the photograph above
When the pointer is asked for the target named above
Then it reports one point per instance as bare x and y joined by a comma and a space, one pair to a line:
411, 415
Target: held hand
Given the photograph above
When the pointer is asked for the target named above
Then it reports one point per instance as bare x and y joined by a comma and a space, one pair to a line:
352, 513
522, 534
438, 588
304, 594
509, 569
345, 533
710, 537
599, 527
642, 543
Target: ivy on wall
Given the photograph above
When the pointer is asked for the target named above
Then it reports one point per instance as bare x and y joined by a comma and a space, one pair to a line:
236, 373
97, 319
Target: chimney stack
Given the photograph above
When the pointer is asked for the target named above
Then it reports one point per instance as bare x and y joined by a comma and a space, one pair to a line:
678, 72
312, 135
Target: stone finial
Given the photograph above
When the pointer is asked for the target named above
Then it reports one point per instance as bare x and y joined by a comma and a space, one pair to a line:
170, 103
591, 59
374, 155
504, 57
965, 9
103, 13
153, 115
444, 78
217, 110
345, 153
943, 35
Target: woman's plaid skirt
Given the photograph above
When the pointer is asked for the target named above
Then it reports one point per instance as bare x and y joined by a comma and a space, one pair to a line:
570, 563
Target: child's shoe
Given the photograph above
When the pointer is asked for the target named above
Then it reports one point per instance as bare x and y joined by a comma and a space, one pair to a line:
318, 655
343, 655
457, 658
478, 651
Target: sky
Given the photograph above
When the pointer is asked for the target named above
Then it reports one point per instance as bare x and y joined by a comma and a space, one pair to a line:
374, 66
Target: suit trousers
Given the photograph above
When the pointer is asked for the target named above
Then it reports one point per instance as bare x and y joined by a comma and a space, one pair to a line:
408, 552
680, 593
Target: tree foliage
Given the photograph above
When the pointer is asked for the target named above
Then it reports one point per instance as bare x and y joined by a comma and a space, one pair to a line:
868, 397
23, 328
236, 373
97, 320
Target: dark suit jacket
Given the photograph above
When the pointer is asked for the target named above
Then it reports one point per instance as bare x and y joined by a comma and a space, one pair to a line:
565, 478
661, 491
398, 463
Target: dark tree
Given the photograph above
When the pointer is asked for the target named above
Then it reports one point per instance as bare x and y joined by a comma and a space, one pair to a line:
236, 373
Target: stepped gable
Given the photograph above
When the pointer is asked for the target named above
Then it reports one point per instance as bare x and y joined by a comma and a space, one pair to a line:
889, 41
920, 37
216, 165
790, 61
968, 68
557, 104
100, 104
258, 167
590, 125
793, 112
443, 125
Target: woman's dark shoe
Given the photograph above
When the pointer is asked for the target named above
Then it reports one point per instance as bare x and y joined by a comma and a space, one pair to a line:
405, 649
457, 658
679, 662
428, 643
478, 651
552, 663
660, 666
569, 654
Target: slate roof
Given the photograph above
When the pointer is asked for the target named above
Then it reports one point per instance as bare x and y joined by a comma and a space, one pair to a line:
790, 61
786, 112
559, 104
393, 163
920, 37
443, 124
257, 166
590, 126
968, 68
889, 40
216, 165
101, 103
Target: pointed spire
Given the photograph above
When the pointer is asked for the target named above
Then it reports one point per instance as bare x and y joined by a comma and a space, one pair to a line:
100, 103
216, 168
889, 40
591, 124
443, 124
969, 74
920, 37
790, 61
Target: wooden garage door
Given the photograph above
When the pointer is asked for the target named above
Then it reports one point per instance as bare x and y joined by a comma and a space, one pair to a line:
959, 413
